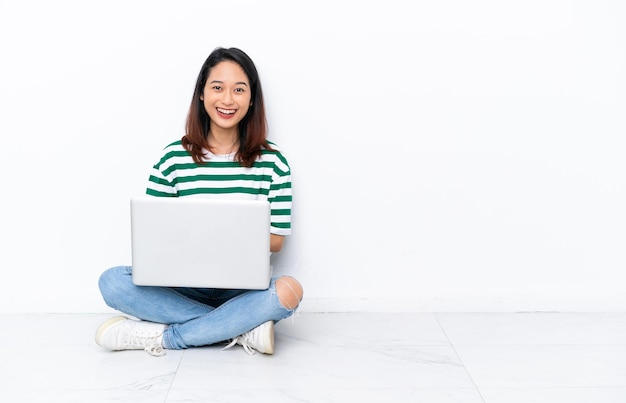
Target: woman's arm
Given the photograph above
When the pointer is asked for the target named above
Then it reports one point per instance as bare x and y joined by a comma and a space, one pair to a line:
276, 242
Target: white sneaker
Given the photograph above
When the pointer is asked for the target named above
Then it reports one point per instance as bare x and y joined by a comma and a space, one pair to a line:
261, 339
121, 333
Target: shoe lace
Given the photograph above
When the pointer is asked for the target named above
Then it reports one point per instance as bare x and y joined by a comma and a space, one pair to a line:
246, 342
153, 347
155, 350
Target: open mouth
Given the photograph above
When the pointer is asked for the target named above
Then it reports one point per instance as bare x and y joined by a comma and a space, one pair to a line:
227, 112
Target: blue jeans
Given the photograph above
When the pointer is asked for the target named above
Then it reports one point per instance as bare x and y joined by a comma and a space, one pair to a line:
196, 316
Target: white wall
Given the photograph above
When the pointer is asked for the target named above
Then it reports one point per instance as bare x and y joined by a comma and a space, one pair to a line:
447, 155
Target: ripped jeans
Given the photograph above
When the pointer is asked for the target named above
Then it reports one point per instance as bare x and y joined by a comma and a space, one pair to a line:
196, 316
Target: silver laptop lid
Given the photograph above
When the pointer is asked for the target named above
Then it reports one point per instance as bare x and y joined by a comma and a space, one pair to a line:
197, 242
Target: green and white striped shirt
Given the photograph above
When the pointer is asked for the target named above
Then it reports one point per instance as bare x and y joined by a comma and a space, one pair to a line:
177, 175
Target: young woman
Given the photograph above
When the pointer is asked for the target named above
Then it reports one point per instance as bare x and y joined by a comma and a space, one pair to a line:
224, 154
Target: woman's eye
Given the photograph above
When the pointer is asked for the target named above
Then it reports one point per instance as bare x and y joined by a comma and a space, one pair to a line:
239, 90
217, 87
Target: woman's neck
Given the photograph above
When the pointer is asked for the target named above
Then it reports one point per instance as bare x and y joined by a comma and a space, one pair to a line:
223, 142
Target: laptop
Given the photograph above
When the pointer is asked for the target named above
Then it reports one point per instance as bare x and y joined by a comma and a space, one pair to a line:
197, 242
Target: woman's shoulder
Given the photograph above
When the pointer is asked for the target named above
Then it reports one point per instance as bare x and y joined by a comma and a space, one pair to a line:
174, 149
174, 145
275, 151
276, 157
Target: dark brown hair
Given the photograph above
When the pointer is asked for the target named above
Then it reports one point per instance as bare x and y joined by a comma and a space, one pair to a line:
252, 128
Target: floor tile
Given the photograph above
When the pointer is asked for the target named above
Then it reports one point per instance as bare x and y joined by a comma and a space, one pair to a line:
328, 395
534, 328
83, 396
545, 366
350, 329
555, 395
301, 365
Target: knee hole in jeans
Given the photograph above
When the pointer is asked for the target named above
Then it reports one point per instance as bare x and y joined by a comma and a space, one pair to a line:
289, 292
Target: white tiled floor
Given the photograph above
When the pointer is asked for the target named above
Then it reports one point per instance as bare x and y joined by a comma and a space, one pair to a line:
326, 357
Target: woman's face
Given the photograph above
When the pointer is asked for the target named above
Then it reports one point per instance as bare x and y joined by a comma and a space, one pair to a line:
226, 95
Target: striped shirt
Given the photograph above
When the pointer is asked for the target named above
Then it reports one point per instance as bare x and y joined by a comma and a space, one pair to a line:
177, 175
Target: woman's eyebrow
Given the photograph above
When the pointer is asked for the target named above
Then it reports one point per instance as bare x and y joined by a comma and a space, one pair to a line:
222, 82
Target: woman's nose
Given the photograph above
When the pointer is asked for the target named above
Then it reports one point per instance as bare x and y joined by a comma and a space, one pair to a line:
227, 99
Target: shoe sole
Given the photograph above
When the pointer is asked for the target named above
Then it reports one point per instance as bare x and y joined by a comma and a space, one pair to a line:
269, 343
105, 325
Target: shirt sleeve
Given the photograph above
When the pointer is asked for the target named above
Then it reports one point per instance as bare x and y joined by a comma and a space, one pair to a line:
159, 183
280, 197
